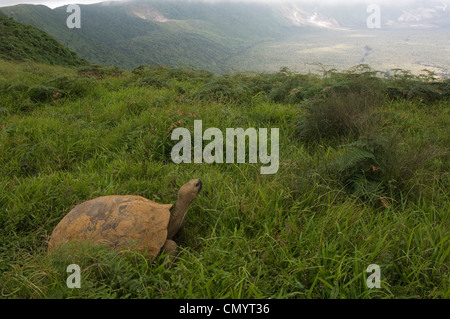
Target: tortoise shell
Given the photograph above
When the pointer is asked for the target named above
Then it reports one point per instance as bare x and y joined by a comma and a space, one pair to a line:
119, 221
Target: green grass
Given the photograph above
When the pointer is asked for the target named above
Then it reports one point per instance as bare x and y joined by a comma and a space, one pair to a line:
300, 233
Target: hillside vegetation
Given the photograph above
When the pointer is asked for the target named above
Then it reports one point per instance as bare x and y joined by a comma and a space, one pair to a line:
229, 36
196, 34
363, 179
27, 43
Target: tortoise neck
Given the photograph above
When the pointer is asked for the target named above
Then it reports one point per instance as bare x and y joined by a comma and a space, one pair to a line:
177, 217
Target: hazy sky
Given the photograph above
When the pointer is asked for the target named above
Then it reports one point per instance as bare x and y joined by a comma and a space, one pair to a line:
48, 3
58, 3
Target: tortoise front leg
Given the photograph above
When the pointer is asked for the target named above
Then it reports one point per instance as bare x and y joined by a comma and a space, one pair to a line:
170, 247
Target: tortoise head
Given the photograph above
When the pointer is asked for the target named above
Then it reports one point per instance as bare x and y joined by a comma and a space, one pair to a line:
189, 191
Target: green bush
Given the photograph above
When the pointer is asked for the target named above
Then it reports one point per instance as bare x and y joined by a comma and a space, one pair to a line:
18, 87
336, 116
376, 168
425, 93
358, 169
76, 87
425, 89
41, 93
99, 71
4, 111
224, 90
283, 92
153, 81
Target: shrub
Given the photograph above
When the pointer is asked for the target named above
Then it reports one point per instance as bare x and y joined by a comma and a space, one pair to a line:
166, 73
135, 108
13, 96
41, 93
71, 86
99, 71
426, 89
289, 87
3, 111
153, 81
425, 93
18, 87
282, 92
445, 87
336, 116
358, 169
224, 90
374, 168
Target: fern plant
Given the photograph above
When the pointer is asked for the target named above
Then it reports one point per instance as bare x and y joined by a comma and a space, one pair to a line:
359, 170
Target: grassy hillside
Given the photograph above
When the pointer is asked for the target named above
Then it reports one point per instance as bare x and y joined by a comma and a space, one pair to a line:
27, 43
196, 34
363, 179
135, 41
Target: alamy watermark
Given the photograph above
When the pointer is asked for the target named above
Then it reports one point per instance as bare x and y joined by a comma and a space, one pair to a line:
213, 152
74, 280
374, 280
374, 20
73, 20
